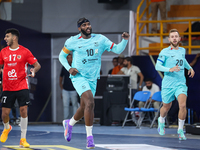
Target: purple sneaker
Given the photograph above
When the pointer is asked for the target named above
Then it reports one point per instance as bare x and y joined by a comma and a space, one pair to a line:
67, 130
90, 142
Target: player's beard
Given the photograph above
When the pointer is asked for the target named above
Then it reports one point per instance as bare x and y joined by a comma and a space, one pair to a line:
10, 43
175, 45
85, 33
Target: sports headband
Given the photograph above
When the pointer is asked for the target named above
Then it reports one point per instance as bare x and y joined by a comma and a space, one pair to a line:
80, 23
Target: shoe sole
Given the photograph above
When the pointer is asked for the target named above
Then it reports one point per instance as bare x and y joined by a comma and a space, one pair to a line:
64, 131
64, 128
90, 147
182, 139
21, 146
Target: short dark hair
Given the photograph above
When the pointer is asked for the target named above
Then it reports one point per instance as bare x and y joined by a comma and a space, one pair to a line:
115, 58
81, 21
129, 59
13, 31
148, 79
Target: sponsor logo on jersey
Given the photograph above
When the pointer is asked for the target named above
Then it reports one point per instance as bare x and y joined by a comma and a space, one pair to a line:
12, 73
96, 44
173, 56
12, 64
84, 61
83, 86
19, 56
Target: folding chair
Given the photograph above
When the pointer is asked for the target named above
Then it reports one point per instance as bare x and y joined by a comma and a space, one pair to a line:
156, 97
139, 96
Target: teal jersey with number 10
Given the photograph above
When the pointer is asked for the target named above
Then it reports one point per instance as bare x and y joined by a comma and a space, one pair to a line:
87, 54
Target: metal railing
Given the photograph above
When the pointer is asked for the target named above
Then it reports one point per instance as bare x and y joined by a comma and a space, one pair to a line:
161, 34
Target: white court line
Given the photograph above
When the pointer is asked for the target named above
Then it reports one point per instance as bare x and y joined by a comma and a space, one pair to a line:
132, 147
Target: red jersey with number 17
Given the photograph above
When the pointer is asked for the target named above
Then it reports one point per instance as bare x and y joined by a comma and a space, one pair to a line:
15, 63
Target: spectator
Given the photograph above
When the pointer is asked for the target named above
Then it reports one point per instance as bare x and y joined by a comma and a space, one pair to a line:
120, 64
161, 5
115, 63
153, 88
134, 72
68, 91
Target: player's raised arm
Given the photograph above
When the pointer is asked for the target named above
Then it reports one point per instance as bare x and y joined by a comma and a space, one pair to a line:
118, 48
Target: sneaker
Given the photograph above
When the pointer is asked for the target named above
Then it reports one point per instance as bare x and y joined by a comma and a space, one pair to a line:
161, 127
23, 143
181, 135
4, 135
67, 130
90, 142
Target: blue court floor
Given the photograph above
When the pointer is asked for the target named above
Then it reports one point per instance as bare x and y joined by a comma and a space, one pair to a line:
50, 137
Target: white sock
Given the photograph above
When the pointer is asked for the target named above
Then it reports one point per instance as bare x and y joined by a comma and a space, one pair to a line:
89, 130
6, 125
180, 124
72, 122
24, 123
162, 119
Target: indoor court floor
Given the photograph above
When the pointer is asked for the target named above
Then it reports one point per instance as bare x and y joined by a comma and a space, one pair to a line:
50, 137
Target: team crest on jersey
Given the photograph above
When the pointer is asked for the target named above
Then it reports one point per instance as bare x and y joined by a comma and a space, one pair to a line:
19, 56
96, 51
96, 44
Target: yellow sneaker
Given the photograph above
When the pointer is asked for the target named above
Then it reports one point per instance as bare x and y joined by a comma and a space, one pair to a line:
4, 135
23, 143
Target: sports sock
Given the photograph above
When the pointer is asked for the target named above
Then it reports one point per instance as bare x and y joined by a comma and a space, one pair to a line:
24, 123
180, 124
89, 130
162, 119
6, 125
72, 122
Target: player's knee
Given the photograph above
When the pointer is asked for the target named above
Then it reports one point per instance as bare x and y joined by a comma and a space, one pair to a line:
90, 104
23, 111
182, 106
4, 115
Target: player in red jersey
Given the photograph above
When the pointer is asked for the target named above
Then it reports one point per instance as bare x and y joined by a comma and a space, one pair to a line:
15, 59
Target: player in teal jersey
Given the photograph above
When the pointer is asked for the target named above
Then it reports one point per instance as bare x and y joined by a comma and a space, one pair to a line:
87, 49
172, 62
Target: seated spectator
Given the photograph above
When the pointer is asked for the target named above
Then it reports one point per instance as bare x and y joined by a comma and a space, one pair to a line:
153, 88
120, 64
115, 63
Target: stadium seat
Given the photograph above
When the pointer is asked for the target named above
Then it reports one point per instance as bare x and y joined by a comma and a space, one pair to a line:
139, 96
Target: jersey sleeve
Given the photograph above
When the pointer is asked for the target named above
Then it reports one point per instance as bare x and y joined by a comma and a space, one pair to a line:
30, 58
108, 45
187, 65
68, 46
160, 61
